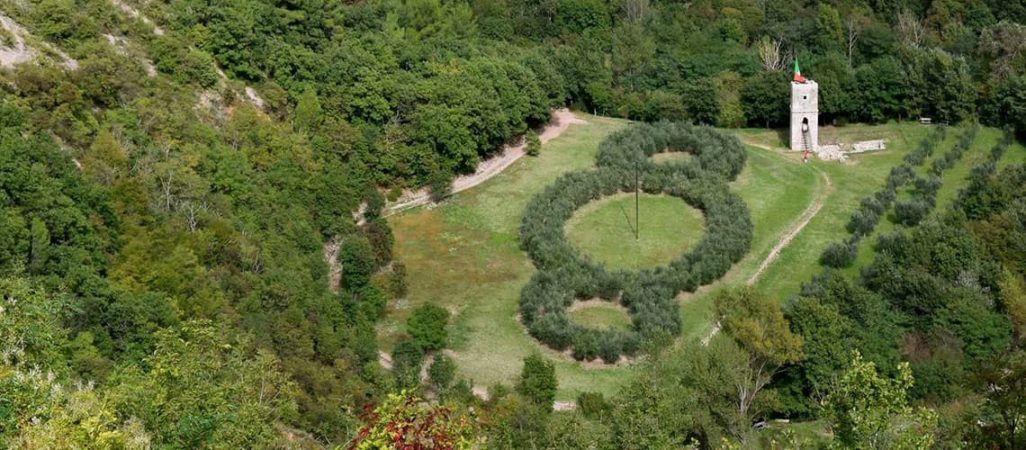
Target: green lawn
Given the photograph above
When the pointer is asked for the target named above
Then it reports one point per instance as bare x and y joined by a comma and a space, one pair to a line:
599, 314
464, 254
671, 157
859, 176
604, 230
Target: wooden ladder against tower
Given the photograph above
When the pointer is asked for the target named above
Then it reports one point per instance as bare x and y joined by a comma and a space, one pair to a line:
805, 140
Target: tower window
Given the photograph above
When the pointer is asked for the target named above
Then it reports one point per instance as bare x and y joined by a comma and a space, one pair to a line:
805, 97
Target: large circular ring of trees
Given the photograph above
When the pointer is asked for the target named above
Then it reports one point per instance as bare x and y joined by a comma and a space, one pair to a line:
565, 275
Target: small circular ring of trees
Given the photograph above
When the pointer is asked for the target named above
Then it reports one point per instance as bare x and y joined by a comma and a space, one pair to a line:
565, 275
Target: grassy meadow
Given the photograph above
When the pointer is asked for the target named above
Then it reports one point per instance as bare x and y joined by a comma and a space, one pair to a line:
604, 230
599, 314
464, 254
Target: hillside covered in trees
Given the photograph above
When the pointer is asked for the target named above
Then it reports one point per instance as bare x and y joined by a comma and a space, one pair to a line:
174, 175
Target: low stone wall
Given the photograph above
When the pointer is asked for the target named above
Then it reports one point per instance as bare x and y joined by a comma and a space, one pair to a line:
868, 146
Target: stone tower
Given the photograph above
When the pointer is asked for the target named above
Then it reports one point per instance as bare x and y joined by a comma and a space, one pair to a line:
804, 112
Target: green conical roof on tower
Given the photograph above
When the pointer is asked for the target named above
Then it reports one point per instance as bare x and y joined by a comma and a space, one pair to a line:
798, 78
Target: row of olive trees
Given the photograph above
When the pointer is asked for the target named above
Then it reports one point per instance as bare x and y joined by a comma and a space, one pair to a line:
864, 220
566, 275
980, 194
914, 209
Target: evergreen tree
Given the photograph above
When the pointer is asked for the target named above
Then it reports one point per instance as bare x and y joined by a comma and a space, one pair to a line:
538, 381
533, 143
427, 326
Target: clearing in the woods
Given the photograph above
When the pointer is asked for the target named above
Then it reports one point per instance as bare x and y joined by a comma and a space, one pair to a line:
464, 254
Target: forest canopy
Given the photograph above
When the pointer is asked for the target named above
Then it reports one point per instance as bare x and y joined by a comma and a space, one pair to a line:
181, 266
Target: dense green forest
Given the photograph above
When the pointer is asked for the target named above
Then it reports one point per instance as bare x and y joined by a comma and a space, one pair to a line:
173, 173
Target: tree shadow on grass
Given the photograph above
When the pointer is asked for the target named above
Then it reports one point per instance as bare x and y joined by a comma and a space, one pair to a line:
627, 217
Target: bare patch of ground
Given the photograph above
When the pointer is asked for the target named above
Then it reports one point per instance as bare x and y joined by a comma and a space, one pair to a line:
480, 392
564, 406
211, 102
16, 50
120, 43
385, 360
331, 249
135, 14
254, 98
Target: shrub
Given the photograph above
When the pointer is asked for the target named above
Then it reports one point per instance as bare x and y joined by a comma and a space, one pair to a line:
553, 330
912, 211
533, 143
928, 186
592, 404
371, 300
375, 203
427, 326
862, 222
538, 380
406, 359
885, 197
839, 254
442, 371
440, 184
899, 176
406, 421
397, 281
380, 237
610, 347
586, 345
356, 256
394, 194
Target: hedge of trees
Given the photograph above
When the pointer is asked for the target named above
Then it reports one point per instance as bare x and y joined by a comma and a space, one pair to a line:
566, 275
906, 211
978, 195
923, 195
864, 220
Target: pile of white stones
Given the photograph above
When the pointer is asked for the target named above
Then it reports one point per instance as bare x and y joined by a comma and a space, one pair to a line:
830, 152
836, 152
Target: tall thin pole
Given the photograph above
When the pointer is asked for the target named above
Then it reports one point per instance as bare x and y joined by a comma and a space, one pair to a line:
637, 224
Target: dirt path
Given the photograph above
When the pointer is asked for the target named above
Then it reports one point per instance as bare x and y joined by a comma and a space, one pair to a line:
561, 120
803, 220
385, 360
785, 240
